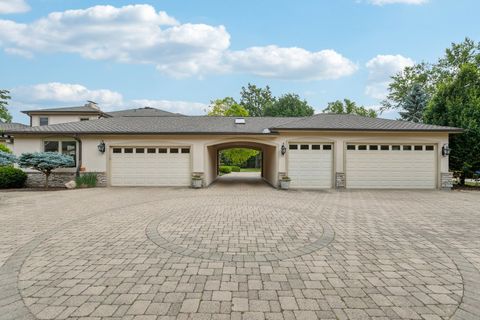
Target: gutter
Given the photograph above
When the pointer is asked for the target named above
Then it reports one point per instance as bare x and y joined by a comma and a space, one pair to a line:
79, 163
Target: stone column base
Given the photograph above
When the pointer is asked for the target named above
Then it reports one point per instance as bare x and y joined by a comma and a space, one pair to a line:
446, 180
340, 180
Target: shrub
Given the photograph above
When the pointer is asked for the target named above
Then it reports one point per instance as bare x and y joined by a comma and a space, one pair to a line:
4, 148
88, 180
225, 169
7, 159
235, 168
11, 177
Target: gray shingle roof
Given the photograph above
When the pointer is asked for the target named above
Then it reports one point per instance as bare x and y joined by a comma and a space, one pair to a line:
83, 109
11, 126
226, 125
330, 121
143, 112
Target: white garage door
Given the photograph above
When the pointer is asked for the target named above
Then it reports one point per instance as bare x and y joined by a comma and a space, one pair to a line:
310, 165
391, 166
150, 166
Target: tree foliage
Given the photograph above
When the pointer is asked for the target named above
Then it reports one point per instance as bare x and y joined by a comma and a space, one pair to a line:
349, 107
429, 75
456, 103
414, 105
6, 158
237, 156
45, 162
227, 107
289, 105
5, 116
255, 99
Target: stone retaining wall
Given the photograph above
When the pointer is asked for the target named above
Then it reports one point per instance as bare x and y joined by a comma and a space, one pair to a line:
58, 179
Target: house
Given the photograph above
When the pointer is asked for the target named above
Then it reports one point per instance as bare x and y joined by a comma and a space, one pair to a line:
151, 147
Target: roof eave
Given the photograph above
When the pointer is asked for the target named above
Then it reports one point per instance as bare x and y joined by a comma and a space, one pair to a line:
453, 130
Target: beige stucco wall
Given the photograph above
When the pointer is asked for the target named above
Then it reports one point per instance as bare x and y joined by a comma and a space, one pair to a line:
55, 119
203, 147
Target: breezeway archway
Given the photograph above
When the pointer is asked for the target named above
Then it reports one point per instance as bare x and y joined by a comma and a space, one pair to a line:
269, 152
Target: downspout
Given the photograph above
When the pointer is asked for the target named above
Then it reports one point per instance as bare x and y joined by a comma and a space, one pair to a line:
79, 164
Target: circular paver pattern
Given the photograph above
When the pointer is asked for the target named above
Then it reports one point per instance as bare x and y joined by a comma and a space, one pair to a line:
240, 233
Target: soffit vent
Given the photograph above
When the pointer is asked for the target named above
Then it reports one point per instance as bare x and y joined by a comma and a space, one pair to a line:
240, 121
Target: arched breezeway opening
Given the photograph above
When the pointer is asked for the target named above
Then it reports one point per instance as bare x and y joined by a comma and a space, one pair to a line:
269, 163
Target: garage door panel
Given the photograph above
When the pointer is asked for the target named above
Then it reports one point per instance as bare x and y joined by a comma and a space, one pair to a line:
310, 168
391, 169
150, 169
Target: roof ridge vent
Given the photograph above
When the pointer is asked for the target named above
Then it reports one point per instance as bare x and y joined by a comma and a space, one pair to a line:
240, 121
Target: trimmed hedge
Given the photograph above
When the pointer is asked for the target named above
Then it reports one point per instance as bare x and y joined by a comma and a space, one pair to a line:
225, 169
235, 168
11, 177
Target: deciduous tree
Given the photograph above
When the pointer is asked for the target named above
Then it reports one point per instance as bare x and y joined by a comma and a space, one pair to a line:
289, 105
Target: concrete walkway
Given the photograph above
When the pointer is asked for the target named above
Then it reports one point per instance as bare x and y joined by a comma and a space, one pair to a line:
239, 251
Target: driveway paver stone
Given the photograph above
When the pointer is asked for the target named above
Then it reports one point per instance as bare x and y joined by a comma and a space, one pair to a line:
256, 253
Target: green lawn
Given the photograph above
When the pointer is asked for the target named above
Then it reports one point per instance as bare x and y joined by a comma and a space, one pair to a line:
250, 169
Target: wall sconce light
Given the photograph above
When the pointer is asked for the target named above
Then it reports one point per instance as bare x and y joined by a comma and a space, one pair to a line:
445, 150
101, 147
283, 149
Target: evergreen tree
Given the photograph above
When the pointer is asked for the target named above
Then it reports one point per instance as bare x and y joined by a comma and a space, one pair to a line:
414, 104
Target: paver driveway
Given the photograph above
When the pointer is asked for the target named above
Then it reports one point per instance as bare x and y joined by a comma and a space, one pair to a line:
239, 252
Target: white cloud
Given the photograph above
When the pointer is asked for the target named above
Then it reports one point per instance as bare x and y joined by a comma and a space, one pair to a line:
380, 70
140, 34
55, 93
184, 107
292, 63
385, 2
13, 6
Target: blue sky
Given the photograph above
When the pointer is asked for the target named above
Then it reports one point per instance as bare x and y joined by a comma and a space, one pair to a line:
178, 55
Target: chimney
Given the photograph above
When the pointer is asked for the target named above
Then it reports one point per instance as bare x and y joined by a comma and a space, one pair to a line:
92, 104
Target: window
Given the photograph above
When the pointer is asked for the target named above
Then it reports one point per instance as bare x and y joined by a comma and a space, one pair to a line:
362, 147
429, 148
151, 150
384, 147
128, 150
185, 150
44, 121
373, 147
162, 150
117, 150
139, 150
327, 147
84, 119
304, 147
293, 147
407, 148
70, 148
396, 148
418, 148
315, 147
173, 150
351, 147
51, 146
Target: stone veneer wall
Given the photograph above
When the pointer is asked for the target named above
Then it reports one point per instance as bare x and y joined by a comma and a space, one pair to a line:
446, 180
339, 180
58, 179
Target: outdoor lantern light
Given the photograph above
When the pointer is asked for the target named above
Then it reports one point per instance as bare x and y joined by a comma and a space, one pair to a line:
445, 150
101, 147
283, 149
